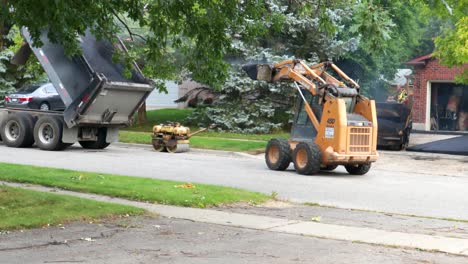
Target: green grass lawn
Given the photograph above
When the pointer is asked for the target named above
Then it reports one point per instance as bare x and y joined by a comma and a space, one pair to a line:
201, 142
206, 140
133, 188
20, 208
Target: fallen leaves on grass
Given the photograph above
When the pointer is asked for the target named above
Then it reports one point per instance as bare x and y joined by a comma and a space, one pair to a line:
187, 185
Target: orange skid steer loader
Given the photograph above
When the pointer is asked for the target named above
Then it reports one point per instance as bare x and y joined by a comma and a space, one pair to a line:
333, 124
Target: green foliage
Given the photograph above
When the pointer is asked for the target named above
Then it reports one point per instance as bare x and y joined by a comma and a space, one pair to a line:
453, 48
451, 45
199, 30
13, 77
390, 33
248, 106
374, 24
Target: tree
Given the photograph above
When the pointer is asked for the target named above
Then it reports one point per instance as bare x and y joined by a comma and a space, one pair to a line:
369, 39
196, 28
451, 46
12, 76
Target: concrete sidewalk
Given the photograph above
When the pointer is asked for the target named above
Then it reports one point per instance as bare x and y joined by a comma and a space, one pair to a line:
458, 246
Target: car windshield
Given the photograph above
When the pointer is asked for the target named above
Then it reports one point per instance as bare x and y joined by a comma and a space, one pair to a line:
28, 89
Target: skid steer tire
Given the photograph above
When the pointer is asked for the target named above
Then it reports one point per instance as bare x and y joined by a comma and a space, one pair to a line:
17, 130
278, 154
360, 169
100, 143
307, 158
48, 133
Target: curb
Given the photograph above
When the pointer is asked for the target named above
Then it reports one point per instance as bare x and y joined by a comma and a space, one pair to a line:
191, 151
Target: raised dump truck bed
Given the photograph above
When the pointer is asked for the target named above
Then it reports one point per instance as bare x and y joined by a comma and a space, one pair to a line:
98, 96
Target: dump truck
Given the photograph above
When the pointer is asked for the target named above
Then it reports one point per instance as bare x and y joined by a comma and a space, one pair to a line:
333, 124
395, 120
395, 124
99, 97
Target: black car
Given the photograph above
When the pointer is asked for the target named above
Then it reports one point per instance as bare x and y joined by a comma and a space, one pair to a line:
35, 96
394, 125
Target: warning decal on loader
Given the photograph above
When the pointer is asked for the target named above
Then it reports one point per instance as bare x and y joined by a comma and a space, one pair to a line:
329, 132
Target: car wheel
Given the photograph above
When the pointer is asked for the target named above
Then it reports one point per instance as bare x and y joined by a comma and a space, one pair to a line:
44, 106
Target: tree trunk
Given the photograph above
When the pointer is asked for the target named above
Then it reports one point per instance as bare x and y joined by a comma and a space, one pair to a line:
142, 117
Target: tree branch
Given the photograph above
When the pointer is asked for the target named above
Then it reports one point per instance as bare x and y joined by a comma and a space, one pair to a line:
131, 34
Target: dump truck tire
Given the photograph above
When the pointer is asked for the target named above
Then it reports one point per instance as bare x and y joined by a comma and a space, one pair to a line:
329, 167
307, 158
17, 130
278, 154
48, 133
360, 169
100, 143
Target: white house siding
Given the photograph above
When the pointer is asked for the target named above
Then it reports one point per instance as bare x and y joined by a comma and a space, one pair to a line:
158, 100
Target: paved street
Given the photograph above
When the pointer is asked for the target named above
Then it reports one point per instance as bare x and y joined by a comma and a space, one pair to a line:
400, 182
404, 183
163, 240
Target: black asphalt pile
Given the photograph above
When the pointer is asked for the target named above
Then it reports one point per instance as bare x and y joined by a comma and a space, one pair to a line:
455, 146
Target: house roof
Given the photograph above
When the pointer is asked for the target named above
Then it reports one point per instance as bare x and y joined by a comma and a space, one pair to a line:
419, 60
401, 77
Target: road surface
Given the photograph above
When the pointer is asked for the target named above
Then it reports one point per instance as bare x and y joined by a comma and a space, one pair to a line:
404, 183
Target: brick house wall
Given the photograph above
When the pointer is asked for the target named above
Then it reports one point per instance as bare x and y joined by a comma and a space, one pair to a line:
428, 69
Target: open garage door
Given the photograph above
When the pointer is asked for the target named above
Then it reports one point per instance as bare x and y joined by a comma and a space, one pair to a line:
449, 106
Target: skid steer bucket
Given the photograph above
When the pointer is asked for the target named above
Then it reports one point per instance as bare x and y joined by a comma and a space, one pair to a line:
262, 72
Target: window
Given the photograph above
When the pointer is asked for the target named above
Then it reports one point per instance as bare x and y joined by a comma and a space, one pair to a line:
50, 89
302, 117
28, 89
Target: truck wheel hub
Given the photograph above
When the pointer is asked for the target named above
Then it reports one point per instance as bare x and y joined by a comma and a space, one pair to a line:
12, 130
46, 133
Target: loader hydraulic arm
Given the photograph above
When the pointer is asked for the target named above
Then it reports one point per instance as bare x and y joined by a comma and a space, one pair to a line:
301, 73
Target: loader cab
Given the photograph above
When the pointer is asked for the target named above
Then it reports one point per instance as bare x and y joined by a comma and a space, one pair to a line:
302, 129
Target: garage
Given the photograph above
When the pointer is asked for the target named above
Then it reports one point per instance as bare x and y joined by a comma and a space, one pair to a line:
440, 104
448, 106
